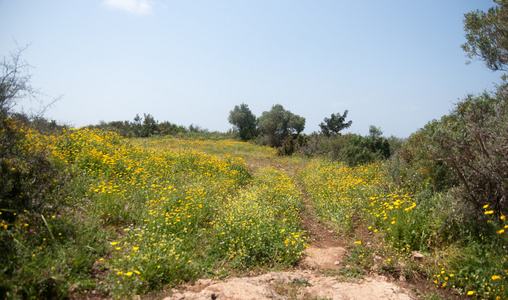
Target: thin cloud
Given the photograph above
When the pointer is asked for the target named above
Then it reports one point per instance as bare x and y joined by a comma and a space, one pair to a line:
138, 7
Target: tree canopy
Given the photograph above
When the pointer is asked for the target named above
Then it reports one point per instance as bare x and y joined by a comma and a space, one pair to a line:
244, 121
335, 124
277, 124
487, 35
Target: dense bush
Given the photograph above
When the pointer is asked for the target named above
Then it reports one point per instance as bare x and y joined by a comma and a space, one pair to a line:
473, 142
352, 149
292, 144
413, 167
363, 150
466, 149
31, 187
27, 179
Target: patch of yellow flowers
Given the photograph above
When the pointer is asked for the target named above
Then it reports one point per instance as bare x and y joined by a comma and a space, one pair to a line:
181, 210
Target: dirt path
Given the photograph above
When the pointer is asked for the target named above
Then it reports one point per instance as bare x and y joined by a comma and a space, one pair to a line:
298, 284
315, 277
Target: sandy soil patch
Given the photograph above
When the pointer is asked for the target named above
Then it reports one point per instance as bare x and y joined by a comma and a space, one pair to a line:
302, 284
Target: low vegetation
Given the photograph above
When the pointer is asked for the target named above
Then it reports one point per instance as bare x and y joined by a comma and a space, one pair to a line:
119, 216
133, 218
464, 251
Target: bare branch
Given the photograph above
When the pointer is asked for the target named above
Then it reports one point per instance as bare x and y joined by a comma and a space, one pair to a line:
15, 84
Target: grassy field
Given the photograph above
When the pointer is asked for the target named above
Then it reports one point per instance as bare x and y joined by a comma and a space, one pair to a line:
136, 216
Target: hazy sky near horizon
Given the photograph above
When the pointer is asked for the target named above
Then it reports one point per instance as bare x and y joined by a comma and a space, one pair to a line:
395, 64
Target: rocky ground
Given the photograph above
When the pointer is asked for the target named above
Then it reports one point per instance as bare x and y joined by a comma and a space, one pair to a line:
308, 282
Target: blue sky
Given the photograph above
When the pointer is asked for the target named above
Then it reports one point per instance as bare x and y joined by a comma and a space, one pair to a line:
395, 64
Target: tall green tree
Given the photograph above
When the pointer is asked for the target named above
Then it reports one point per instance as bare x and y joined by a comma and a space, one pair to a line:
244, 121
487, 35
277, 124
335, 124
149, 126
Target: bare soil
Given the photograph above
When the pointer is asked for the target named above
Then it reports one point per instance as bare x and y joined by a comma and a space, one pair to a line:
298, 284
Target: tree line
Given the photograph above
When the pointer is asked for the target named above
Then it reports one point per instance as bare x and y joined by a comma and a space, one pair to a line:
282, 129
143, 127
277, 124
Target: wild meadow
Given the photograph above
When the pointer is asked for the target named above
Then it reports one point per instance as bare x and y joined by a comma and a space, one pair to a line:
133, 219
101, 215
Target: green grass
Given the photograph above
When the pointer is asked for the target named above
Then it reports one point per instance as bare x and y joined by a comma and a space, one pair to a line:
138, 218
123, 217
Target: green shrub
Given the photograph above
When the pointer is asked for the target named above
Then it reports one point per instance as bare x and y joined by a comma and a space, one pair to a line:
42, 245
28, 180
413, 168
353, 149
359, 150
292, 145
473, 142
